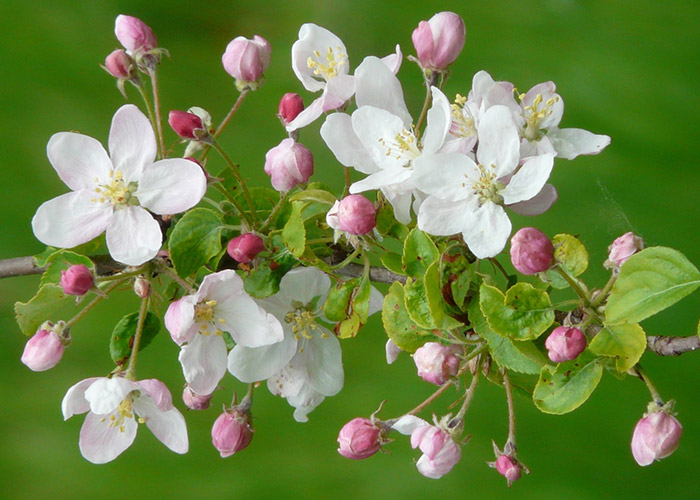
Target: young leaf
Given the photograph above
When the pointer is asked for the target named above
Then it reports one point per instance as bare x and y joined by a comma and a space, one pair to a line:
650, 281
626, 343
523, 313
433, 294
571, 253
195, 240
49, 299
398, 324
293, 233
387, 225
566, 386
264, 280
317, 195
336, 306
416, 303
419, 252
121, 342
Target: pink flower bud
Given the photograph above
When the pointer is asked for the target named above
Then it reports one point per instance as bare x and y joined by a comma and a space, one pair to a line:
439, 41
288, 164
291, 105
436, 363
531, 252
44, 350
119, 64
356, 214
134, 34
622, 249
194, 401
655, 437
142, 287
186, 124
77, 280
359, 439
246, 60
231, 432
245, 247
440, 452
508, 468
565, 344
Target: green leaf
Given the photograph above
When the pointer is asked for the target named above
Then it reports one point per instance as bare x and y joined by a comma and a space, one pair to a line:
570, 253
122, 339
521, 357
49, 299
293, 233
649, 282
626, 343
338, 301
523, 313
387, 225
565, 387
195, 240
416, 303
60, 261
458, 272
316, 195
419, 252
42, 258
398, 324
357, 310
436, 302
393, 262
264, 280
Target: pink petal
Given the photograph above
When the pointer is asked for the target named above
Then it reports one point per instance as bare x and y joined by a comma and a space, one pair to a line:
101, 442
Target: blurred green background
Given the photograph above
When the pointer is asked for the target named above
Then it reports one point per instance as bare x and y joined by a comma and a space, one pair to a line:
625, 68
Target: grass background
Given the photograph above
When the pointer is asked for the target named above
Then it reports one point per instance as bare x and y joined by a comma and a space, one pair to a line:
626, 68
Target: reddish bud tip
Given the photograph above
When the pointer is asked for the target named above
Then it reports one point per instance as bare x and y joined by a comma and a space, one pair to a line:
531, 252
440, 40
291, 105
186, 125
245, 247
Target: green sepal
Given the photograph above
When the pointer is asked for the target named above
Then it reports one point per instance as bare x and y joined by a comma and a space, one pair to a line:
398, 324
523, 313
195, 240
294, 233
122, 339
624, 342
419, 252
566, 386
49, 299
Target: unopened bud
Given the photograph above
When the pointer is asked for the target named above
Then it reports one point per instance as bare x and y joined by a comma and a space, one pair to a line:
436, 363
119, 65
45, 349
622, 249
291, 105
246, 60
439, 41
187, 125
354, 214
508, 468
655, 436
134, 34
77, 280
288, 164
565, 344
142, 287
359, 439
194, 401
232, 432
245, 247
531, 252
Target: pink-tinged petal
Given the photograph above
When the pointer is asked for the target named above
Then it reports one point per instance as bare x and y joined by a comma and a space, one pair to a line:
179, 319
168, 426
539, 204
204, 362
78, 160
132, 143
158, 392
249, 324
446, 176
419, 433
337, 91
171, 186
100, 442
409, 423
392, 61
105, 394
133, 236
71, 219
220, 286
389, 176
489, 231
309, 115
323, 361
314, 38
377, 129
529, 179
74, 401
445, 218
378, 86
439, 122
341, 139
499, 143
571, 142
252, 364
548, 91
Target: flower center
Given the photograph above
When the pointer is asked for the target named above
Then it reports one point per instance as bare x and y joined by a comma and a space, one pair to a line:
124, 411
329, 66
534, 115
116, 191
487, 188
462, 119
403, 147
205, 317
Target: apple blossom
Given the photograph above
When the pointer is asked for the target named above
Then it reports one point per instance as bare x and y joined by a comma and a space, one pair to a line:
245, 247
134, 34
436, 363
194, 401
508, 468
359, 439
119, 64
439, 40
290, 106
232, 432
246, 60
655, 436
440, 452
45, 349
622, 249
288, 164
116, 194
186, 125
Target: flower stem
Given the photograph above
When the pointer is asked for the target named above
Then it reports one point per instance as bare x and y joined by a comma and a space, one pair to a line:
346, 261
348, 181
137, 338
156, 104
93, 303
151, 116
233, 201
173, 275
604, 292
275, 211
426, 105
511, 410
495, 263
652, 389
247, 400
469, 396
225, 121
237, 175
575, 284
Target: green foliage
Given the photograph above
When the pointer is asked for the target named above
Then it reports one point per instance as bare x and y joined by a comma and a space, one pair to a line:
566, 386
419, 252
264, 279
523, 313
459, 273
336, 306
294, 233
121, 343
649, 282
387, 225
398, 324
195, 240
49, 299
315, 195
624, 342
60, 261
357, 311
393, 262
570, 253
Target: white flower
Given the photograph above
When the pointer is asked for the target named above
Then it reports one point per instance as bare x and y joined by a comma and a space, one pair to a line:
115, 407
114, 193
199, 320
320, 61
467, 197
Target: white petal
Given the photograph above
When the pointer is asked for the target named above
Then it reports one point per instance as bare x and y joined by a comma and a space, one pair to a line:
378, 86
78, 160
304, 284
168, 426
171, 186
538, 204
179, 319
252, 364
547, 91
340, 137
314, 38
408, 423
400, 202
488, 233
392, 351
133, 236
536, 148
323, 361
105, 394
389, 176
204, 362
529, 179
132, 143
304, 403
74, 401
392, 61
445, 218
290, 380
337, 91
249, 324
446, 176
71, 219
101, 442
499, 143
571, 142
307, 116
376, 301
220, 286
439, 122
377, 129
